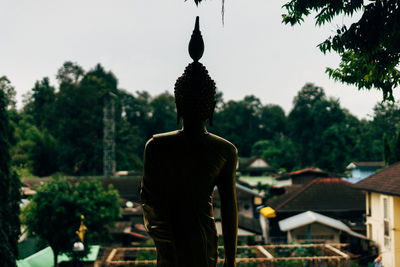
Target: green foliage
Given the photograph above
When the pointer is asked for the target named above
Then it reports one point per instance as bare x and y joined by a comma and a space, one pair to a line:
279, 152
43, 99
79, 113
368, 48
163, 113
392, 148
240, 119
9, 189
263, 188
323, 133
43, 154
61, 129
35, 151
54, 212
273, 122
8, 91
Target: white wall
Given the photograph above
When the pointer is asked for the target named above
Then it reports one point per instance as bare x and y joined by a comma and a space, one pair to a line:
391, 250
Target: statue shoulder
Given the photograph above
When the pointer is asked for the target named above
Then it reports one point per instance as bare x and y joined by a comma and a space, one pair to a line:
224, 144
161, 138
166, 135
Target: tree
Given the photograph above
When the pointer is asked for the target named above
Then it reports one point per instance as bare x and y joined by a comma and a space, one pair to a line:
163, 115
134, 128
386, 119
381, 133
304, 130
322, 132
391, 147
55, 211
43, 99
9, 189
70, 73
239, 122
273, 122
369, 49
43, 153
8, 91
279, 152
79, 113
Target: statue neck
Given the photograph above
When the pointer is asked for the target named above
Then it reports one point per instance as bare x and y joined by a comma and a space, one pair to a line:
194, 127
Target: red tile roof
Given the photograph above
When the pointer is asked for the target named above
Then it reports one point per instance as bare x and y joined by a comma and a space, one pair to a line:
321, 194
386, 181
311, 169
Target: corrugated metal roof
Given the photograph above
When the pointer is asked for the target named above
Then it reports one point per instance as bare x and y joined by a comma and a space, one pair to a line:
244, 189
247, 190
309, 217
44, 257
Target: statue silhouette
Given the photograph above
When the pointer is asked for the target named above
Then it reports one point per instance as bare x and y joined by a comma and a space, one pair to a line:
181, 169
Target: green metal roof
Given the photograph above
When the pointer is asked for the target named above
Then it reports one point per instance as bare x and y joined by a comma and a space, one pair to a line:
44, 258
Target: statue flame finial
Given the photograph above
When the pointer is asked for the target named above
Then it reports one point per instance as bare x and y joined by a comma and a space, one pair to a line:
196, 44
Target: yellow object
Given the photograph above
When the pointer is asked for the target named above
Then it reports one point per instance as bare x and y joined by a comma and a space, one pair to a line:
82, 229
257, 201
268, 212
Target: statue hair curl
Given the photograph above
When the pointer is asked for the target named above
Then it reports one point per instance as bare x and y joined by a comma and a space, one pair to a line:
195, 93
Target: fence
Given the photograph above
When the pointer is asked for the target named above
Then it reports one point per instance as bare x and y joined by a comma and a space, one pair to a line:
325, 255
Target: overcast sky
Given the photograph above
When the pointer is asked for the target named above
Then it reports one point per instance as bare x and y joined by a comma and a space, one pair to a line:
144, 43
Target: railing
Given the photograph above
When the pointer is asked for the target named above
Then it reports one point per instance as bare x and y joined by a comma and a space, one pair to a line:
265, 255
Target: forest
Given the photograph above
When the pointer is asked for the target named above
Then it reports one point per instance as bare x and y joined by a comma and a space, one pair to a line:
59, 128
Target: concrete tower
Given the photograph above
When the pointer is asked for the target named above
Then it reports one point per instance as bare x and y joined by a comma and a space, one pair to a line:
109, 165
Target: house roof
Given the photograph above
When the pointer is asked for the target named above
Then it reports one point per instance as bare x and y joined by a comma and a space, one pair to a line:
309, 217
311, 170
241, 191
127, 187
44, 257
245, 162
249, 224
386, 181
321, 194
246, 223
121, 227
375, 164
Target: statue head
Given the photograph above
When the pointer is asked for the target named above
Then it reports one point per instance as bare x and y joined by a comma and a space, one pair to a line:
195, 90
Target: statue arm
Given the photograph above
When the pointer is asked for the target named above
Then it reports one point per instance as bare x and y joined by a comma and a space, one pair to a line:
149, 171
227, 192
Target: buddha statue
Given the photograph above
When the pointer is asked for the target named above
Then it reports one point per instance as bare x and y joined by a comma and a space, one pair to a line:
181, 170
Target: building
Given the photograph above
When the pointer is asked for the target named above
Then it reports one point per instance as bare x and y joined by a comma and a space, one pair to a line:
332, 197
383, 212
254, 166
361, 170
312, 227
247, 202
303, 176
45, 257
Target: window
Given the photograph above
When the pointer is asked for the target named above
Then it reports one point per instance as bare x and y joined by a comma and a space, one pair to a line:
257, 201
315, 237
369, 231
386, 227
369, 204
